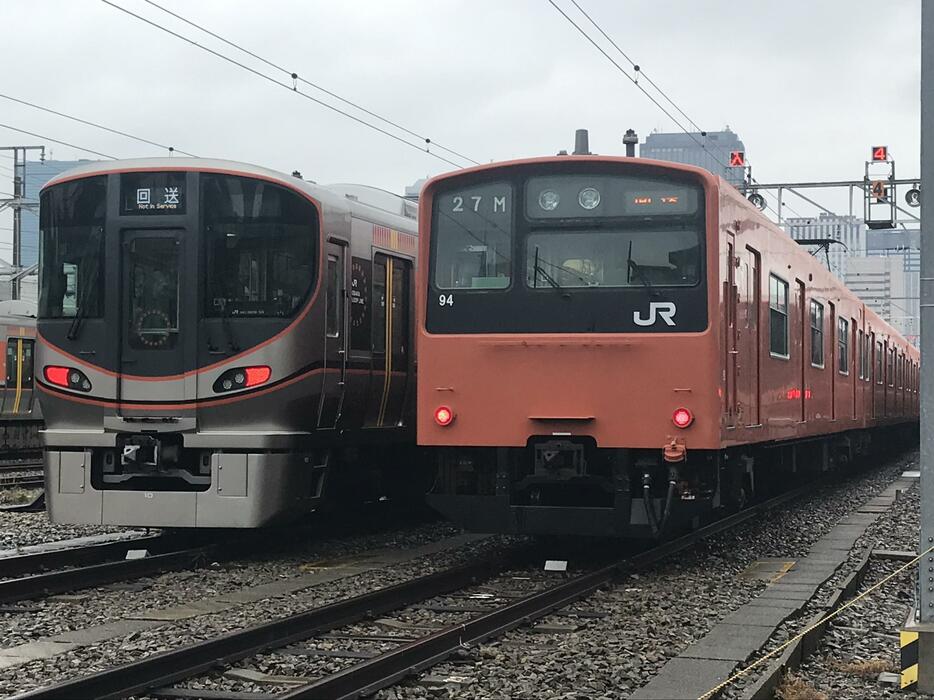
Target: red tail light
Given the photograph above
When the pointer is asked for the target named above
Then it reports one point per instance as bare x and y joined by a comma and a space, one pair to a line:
242, 377
257, 375
443, 416
56, 375
682, 418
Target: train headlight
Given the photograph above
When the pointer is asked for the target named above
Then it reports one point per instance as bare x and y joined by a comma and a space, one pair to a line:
242, 378
67, 377
444, 416
589, 198
549, 200
682, 418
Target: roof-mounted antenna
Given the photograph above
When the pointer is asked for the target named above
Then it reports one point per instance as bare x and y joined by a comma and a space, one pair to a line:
581, 143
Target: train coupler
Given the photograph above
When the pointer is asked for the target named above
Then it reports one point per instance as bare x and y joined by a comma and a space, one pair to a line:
675, 451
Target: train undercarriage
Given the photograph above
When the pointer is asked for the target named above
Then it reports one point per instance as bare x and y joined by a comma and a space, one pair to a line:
160, 480
569, 486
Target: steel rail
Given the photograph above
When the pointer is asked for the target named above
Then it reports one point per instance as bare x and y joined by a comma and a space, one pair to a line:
164, 668
183, 662
394, 665
39, 585
21, 466
26, 481
22, 564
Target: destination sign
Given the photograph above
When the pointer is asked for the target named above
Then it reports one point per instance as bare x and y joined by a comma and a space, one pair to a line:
153, 193
577, 196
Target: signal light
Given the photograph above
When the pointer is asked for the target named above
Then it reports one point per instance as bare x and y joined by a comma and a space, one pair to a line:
66, 377
880, 153
682, 418
444, 416
737, 159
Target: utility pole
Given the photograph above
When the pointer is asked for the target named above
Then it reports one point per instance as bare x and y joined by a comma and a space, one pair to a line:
17, 204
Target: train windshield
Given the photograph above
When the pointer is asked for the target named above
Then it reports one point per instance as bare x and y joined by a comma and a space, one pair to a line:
260, 244
613, 258
474, 238
609, 239
71, 251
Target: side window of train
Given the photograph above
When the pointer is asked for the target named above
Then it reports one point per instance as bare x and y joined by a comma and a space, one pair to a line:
861, 353
380, 263
778, 316
817, 334
19, 362
878, 362
843, 346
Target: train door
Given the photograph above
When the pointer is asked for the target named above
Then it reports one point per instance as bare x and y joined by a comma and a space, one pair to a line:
19, 364
833, 360
335, 335
156, 331
753, 341
802, 335
729, 299
392, 335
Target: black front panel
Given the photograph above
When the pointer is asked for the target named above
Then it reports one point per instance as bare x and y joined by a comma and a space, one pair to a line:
571, 248
154, 273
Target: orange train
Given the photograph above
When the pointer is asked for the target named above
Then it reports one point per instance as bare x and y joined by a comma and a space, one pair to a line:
622, 346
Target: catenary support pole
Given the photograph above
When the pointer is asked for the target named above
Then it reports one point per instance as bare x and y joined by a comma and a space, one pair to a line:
925, 667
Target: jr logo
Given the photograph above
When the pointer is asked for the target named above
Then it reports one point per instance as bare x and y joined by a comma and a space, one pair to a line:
665, 309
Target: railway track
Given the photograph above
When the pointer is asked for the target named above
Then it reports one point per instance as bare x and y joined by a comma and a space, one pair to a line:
74, 568
21, 470
22, 481
154, 675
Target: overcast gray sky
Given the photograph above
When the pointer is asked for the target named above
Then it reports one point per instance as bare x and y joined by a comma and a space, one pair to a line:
809, 86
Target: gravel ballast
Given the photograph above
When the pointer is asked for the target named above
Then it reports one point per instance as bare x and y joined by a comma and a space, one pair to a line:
652, 616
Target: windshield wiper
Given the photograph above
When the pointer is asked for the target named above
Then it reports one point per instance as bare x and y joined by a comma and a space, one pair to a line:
539, 270
633, 266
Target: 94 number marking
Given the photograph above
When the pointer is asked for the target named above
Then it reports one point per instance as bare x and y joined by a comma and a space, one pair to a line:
446, 300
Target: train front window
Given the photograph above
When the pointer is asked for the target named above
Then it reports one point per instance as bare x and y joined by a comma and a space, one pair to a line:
261, 247
613, 258
473, 238
71, 250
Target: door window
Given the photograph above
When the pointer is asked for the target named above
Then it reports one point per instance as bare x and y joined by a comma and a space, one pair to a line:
153, 293
19, 362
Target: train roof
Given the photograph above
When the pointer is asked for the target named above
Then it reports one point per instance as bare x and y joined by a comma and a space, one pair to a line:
357, 198
540, 160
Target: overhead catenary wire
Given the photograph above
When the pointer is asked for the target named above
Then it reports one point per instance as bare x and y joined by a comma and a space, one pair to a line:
635, 82
291, 88
316, 86
63, 143
97, 126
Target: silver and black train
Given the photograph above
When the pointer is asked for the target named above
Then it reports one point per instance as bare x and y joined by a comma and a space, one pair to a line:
220, 345
20, 417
